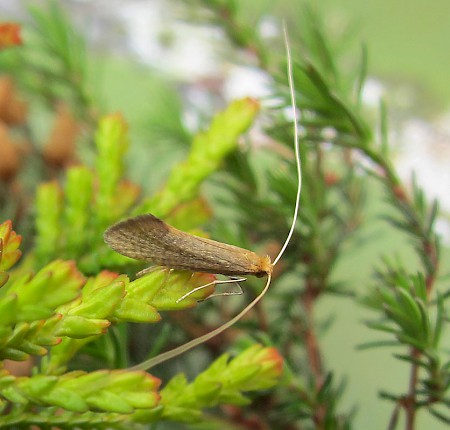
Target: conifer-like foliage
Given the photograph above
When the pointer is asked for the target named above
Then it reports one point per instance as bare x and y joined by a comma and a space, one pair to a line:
67, 301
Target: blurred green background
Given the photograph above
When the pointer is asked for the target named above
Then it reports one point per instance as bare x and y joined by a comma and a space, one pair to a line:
408, 44
407, 40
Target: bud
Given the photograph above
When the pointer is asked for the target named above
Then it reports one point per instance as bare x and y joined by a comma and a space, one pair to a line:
13, 110
59, 151
10, 155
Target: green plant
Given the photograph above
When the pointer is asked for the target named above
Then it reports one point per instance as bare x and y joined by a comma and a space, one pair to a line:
65, 304
58, 310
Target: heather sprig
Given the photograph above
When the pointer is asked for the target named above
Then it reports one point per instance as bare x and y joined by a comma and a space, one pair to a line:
121, 399
224, 382
208, 150
58, 311
58, 307
71, 219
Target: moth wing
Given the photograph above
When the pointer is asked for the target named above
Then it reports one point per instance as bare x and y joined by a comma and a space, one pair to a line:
141, 238
148, 238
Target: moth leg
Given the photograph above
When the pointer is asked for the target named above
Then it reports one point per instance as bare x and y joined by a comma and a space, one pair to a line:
196, 289
167, 271
147, 270
230, 280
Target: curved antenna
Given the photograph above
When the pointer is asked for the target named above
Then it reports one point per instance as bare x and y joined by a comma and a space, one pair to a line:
151, 362
296, 145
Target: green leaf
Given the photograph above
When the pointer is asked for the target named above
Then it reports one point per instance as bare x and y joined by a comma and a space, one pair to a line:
101, 302
66, 399
108, 401
8, 310
136, 311
48, 228
78, 193
377, 344
38, 385
79, 327
112, 142
409, 307
208, 150
440, 317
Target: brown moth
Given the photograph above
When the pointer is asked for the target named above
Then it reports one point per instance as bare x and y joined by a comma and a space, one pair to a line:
148, 238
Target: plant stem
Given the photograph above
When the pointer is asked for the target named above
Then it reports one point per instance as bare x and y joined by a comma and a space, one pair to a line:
313, 352
410, 400
312, 347
430, 256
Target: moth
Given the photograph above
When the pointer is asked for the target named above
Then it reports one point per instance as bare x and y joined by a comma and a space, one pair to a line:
148, 238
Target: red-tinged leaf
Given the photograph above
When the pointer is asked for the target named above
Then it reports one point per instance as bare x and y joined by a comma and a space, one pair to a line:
139, 400
9, 259
5, 230
50, 324
13, 241
48, 341
111, 402
9, 244
124, 380
272, 357
9, 35
269, 360
3, 278
32, 348
103, 279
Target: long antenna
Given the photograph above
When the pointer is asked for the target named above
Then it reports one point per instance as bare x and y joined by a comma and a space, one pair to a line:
151, 362
296, 145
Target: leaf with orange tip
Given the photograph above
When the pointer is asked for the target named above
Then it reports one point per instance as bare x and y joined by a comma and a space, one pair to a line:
3, 278
9, 244
162, 288
9, 35
225, 381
